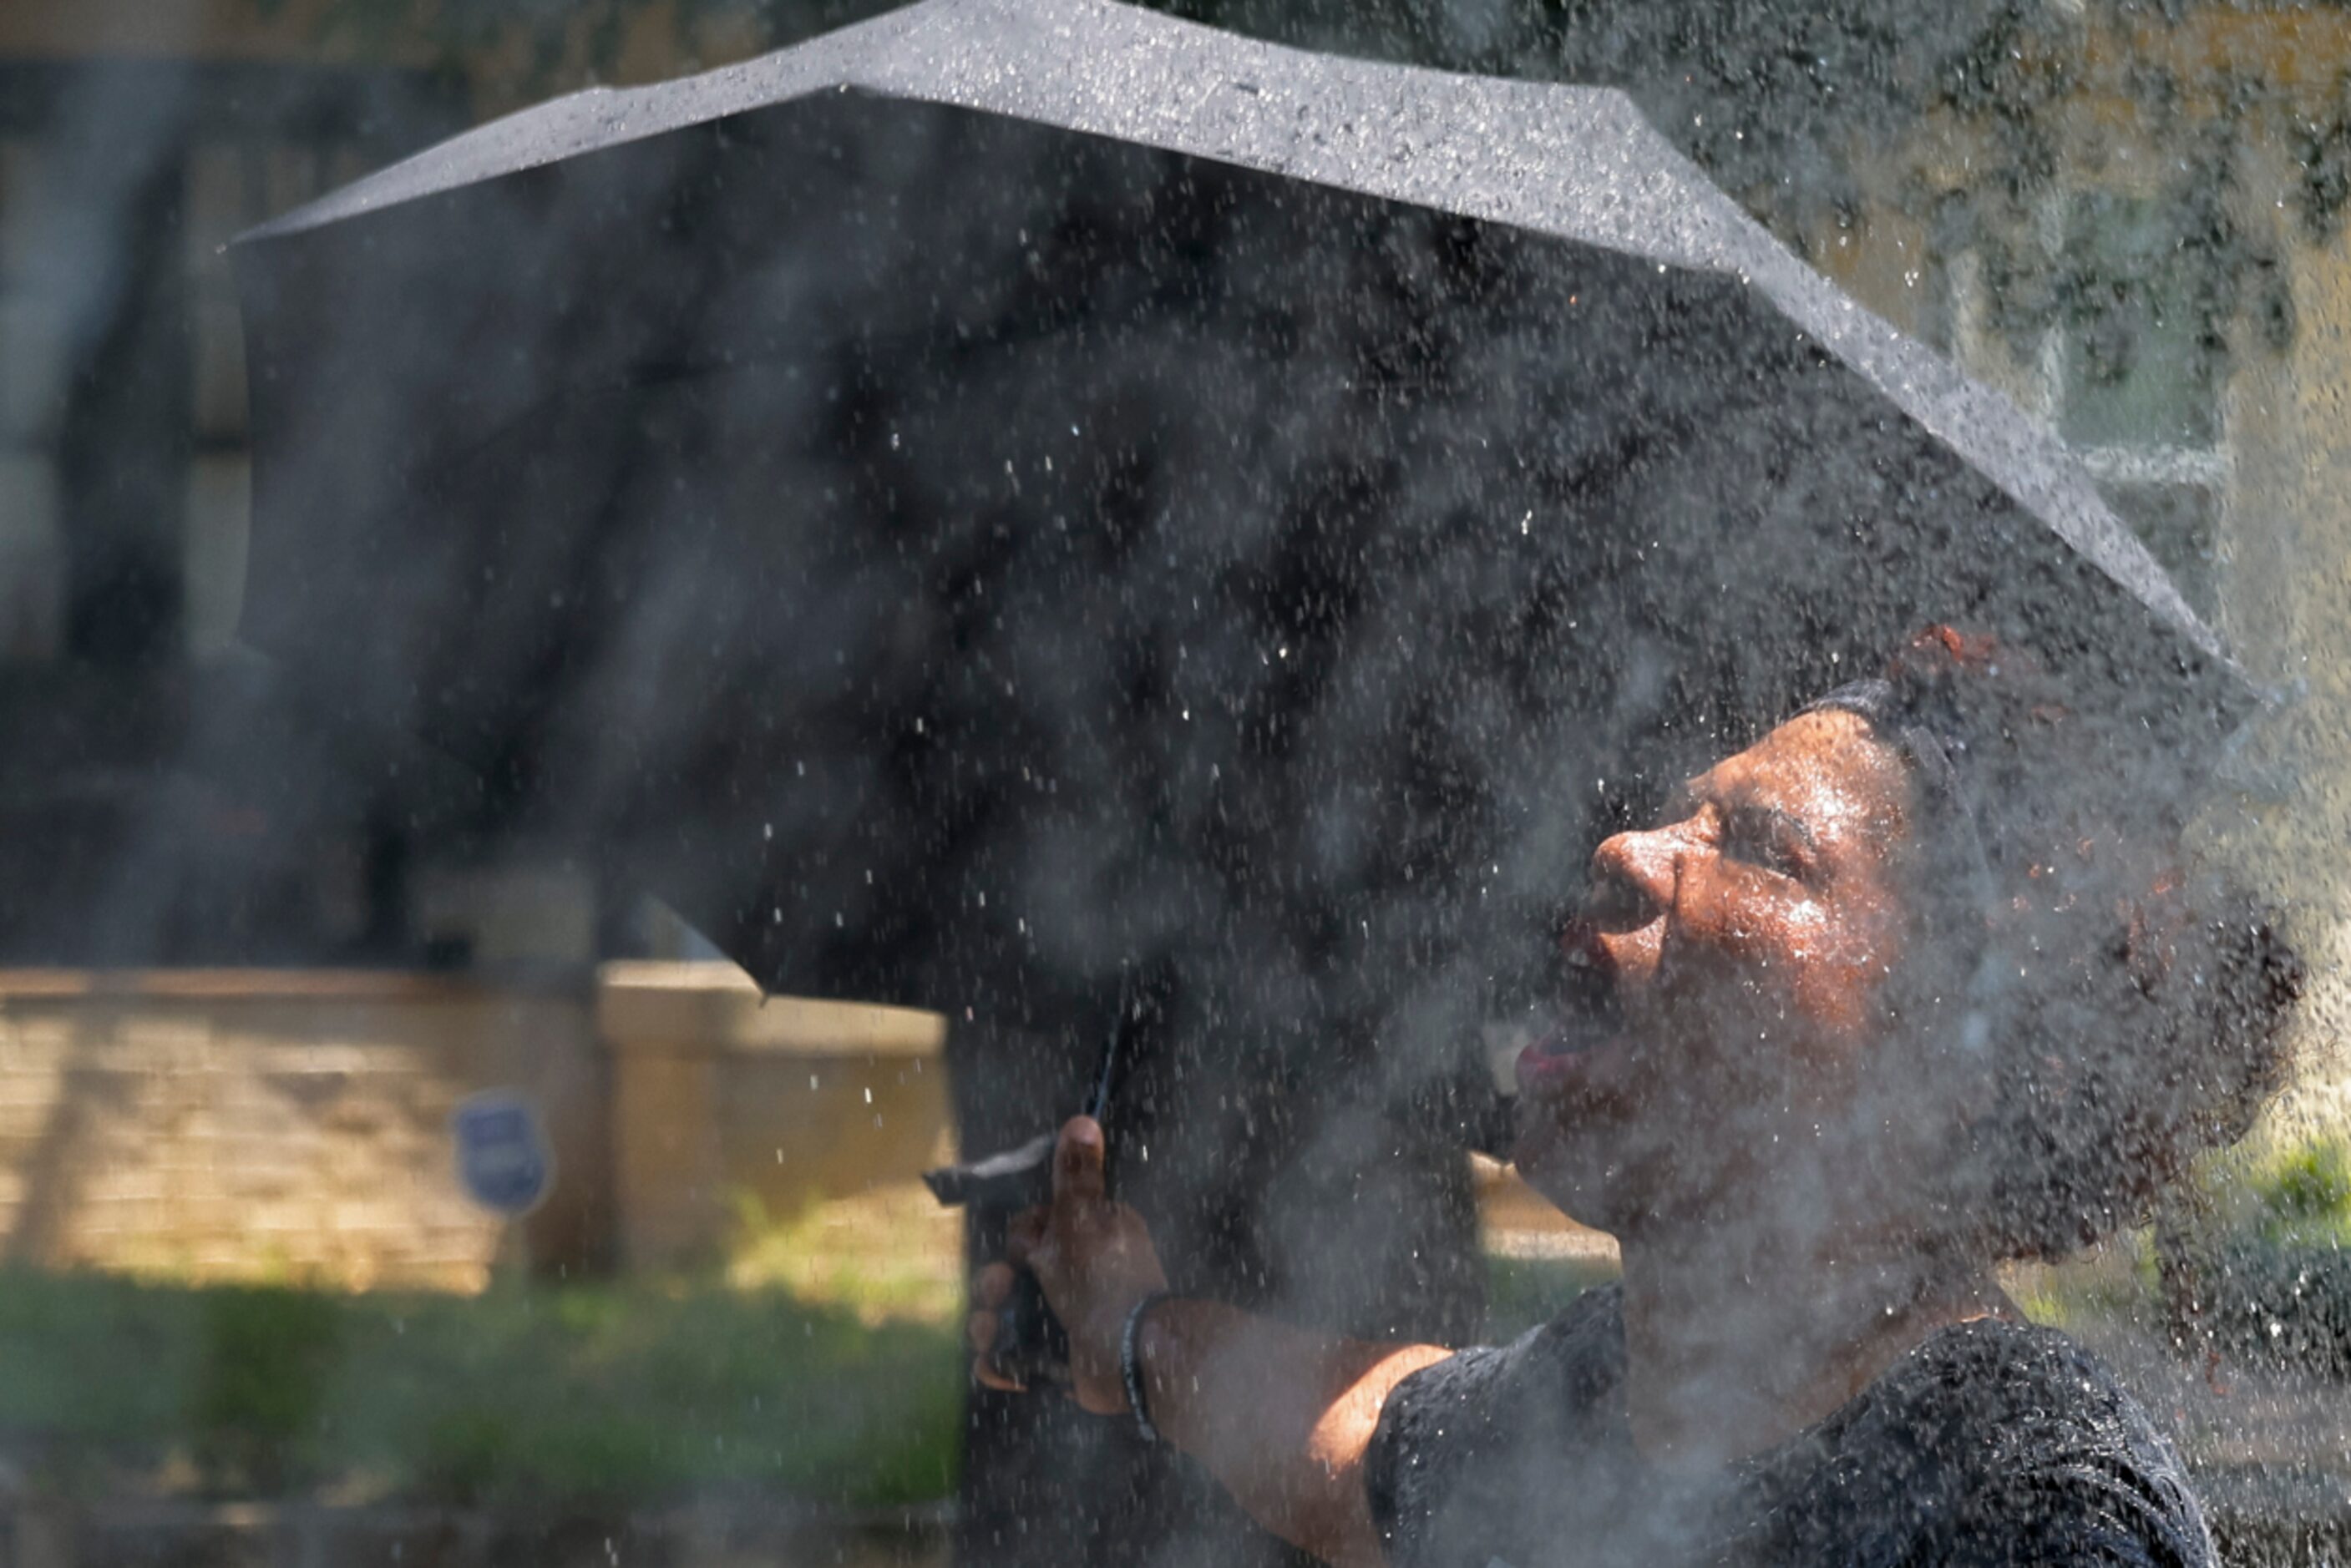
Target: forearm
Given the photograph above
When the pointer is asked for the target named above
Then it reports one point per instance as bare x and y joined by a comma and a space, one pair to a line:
1280, 1417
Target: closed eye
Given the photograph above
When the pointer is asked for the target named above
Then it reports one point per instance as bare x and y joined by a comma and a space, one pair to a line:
1768, 837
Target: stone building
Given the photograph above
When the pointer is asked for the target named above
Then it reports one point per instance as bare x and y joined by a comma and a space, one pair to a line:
2189, 332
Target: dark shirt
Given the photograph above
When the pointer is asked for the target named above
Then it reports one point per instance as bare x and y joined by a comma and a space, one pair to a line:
1991, 1443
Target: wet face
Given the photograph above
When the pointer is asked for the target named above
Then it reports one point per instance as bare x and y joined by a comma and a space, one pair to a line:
1726, 984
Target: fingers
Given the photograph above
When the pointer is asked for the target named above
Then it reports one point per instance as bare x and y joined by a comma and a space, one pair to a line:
991, 1287
1023, 1237
989, 1375
1078, 1162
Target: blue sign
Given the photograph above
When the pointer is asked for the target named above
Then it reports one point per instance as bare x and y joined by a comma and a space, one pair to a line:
504, 1160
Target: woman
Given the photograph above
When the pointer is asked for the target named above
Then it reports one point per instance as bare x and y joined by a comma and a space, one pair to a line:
1898, 992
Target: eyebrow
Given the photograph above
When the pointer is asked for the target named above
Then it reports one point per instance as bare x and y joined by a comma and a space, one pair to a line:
1740, 803
1776, 817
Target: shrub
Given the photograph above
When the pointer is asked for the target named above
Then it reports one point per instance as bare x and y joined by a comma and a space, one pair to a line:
2272, 1272
263, 1358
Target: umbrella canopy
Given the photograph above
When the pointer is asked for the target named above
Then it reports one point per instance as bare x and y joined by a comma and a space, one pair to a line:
1022, 488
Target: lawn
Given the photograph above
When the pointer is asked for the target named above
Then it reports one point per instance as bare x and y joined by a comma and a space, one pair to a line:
534, 1396
528, 1396
819, 1362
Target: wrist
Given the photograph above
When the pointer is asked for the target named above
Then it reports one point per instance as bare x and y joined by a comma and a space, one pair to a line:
1134, 1379
1097, 1349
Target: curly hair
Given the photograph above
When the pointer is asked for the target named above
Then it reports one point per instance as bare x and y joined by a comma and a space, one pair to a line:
2109, 1017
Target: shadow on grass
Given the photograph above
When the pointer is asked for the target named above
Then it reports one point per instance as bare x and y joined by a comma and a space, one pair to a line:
612, 1395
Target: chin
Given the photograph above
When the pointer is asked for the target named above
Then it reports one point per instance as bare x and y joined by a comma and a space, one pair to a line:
1616, 1180
1575, 1175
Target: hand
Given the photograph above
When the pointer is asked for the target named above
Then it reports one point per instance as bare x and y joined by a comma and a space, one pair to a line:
1094, 1259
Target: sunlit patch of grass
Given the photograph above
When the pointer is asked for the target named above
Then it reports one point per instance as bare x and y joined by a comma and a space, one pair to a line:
1522, 1291
2277, 1191
2111, 1283
2304, 1191
1538, 1260
891, 1254
2268, 1245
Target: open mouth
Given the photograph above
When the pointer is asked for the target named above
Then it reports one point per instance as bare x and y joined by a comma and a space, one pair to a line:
1586, 1016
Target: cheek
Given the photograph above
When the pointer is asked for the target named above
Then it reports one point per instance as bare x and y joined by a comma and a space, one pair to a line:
1840, 975
1795, 957
1635, 955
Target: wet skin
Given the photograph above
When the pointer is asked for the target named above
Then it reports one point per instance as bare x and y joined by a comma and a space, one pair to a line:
1745, 945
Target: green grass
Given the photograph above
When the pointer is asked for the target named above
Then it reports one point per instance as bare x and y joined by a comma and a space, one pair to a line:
891, 1253
623, 1394
2112, 1283
531, 1395
1523, 1292
2304, 1192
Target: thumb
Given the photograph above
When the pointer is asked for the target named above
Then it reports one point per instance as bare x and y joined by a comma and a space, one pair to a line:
1078, 1162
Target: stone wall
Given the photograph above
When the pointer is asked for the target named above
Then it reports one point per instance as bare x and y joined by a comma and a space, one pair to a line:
296, 1124
255, 1124
722, 1096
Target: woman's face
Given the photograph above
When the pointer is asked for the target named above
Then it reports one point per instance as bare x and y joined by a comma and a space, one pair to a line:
1724, 979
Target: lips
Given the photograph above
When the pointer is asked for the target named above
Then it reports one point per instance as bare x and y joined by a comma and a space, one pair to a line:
1567, 1044
1587, 1019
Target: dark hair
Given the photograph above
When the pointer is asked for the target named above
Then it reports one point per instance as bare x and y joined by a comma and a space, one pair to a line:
2112, 1016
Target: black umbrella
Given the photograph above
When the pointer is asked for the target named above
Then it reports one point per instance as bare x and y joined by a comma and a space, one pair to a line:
1011, 490
1014, 494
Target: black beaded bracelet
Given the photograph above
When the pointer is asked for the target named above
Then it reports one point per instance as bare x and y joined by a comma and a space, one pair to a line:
1130, 1365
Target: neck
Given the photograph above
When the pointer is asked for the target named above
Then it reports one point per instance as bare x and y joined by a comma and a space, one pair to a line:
1738, 1337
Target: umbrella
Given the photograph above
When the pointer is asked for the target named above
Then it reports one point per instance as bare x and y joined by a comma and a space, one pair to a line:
1020, 491
998, 492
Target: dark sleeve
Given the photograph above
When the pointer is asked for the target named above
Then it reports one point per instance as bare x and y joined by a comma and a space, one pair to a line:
1463, 1448
1411, 1465
2112, 1510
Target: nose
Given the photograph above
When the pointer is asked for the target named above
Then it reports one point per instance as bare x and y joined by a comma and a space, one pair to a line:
1632, 878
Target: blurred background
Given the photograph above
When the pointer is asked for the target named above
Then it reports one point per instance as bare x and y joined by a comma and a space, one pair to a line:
367, 1186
